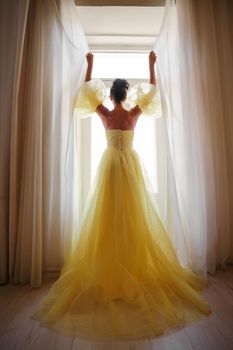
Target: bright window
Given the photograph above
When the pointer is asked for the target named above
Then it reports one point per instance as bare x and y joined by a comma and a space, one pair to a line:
111, 65
134, 68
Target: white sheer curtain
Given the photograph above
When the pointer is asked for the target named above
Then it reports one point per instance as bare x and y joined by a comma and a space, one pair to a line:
195, 77
44, 204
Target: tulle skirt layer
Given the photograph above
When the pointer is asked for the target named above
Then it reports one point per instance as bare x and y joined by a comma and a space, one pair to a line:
122, 280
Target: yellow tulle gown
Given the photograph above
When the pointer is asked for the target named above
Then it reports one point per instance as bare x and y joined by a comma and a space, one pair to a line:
122, 279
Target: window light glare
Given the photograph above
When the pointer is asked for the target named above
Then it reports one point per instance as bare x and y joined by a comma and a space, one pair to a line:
120, 65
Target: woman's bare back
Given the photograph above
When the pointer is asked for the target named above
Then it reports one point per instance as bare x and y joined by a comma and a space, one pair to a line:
119, 118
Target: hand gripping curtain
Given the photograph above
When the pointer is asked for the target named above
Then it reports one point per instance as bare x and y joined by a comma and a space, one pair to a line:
194, 198
45, 200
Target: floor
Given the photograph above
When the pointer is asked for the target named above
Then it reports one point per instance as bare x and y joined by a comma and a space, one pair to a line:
18, 331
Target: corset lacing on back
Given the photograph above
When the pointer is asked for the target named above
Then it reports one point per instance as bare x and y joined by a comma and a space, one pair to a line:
119, 139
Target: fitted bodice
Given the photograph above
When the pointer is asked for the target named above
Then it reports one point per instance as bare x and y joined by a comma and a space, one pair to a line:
119, 139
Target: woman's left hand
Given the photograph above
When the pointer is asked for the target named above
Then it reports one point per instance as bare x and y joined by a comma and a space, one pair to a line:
89, 58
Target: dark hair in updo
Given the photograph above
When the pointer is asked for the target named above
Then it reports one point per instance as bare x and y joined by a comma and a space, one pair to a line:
119, 90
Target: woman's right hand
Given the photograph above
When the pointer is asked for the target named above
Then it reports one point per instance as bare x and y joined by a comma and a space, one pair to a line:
152, 58
89, 58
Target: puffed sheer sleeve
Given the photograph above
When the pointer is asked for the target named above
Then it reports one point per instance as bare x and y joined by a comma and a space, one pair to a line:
91, 94
147, 97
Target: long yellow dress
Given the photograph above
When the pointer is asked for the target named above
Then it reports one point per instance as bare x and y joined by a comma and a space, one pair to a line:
122, 280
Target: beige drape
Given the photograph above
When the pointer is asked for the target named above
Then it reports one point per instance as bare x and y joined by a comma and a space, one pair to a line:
12, 21
39, 168
213, 45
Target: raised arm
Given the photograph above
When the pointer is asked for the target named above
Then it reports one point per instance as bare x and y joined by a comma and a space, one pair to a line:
152, 60
101, 110
143, 103
90, 59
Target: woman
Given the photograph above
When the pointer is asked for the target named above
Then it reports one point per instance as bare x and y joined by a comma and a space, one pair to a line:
122, 279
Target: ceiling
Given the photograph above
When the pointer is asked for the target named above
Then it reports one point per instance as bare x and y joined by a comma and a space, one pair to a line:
120, 28
120, 2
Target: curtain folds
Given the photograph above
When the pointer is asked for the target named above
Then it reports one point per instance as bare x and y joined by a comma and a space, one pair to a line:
12, 24
195, 76
49, 65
